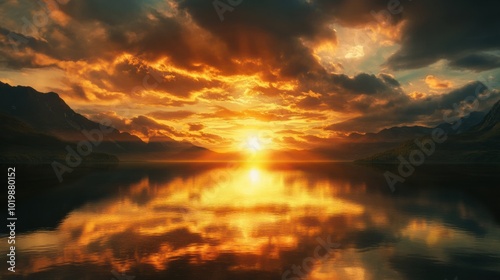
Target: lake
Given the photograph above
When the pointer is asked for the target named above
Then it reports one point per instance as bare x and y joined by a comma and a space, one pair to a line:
260, 221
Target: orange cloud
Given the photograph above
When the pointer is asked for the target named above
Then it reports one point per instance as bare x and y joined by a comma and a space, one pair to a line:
435, 83
196, 126
171, 115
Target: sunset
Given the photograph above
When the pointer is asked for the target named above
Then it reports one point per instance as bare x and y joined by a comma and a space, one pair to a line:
238, 139
174, 68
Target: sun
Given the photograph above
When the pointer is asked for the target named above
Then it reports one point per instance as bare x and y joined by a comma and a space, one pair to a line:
254, 144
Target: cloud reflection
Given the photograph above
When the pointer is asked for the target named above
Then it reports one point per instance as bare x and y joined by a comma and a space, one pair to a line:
245, 220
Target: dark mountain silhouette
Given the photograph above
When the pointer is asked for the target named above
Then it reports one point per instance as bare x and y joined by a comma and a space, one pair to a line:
465, 124
479, 143
47, 113
35, 152
357, 146
399, 134
489, 127
396, 134
19, 142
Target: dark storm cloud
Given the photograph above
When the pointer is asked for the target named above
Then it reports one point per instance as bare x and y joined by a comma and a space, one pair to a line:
109, 11
363, 83
366, 84
275, 31
267, 30
15, 63
271, 31
68, 43
13, 43
446, 30
349, 94
477, 62
390, 80
272, 40
101, 29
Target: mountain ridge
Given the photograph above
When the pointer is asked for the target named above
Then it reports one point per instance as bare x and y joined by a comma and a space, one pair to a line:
49, 113
478, 144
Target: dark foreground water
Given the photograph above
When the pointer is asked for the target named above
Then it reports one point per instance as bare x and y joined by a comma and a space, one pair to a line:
255, 221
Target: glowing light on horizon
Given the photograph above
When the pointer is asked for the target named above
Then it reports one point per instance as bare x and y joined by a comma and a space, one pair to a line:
254, 144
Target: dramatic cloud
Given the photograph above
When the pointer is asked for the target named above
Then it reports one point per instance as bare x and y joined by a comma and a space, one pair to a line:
173, 115
446, 30
142, 126
196, 126
477, 62
427, 111
286, 67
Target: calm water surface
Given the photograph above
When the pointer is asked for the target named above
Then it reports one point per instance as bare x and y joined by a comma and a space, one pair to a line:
255, 221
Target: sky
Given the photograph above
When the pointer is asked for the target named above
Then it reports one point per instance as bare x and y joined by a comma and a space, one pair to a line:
279, 74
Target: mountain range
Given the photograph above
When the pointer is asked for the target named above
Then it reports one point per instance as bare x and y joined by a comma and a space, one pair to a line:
37, 127
478, 143
358, 146
45, 117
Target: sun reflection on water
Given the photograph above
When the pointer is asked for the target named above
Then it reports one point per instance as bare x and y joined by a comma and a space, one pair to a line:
250, 212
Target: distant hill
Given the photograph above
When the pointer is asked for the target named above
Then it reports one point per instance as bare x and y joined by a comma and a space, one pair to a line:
22, 145
357, 146
489, 127
19, 142
479, 143
47, 113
